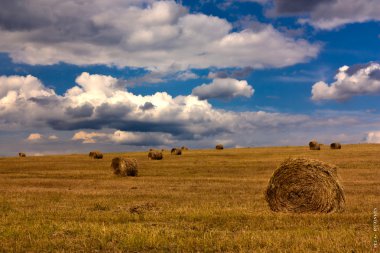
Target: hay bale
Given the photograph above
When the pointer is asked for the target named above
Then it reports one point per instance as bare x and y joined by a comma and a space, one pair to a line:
184, 148
21, 154
219, 147
176, 151
335, 145
314, 145
124, 166
305, 185
96, 154
155, 155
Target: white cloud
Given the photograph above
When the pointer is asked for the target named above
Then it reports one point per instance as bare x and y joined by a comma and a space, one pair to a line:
350, 81
88, 137
373, 137
157, 35
53, 137
186, 75
223, 88
34, 137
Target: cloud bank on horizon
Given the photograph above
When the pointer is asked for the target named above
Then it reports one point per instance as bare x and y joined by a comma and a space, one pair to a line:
216, 72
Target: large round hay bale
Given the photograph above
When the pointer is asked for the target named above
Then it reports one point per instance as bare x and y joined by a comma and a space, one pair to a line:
305, 185
176, 151
219, 147
314, 145
124, 166
96, 154
335, 145
21, 154
155, 155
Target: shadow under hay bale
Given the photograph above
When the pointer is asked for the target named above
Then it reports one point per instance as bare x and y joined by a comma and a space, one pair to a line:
155, 155
314, 145
302, 185
96, 154
176, 151
219, 147
124, 166
335, 145
21, 154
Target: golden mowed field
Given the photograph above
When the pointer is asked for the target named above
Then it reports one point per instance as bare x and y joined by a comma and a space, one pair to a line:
202, 201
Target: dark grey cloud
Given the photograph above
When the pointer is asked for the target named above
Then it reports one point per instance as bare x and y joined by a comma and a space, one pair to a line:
147, 106
20, 15
375, 75
83, 111
241, 73
356, 67
174, 128
108, 111
45, 100
298, 6
327, 14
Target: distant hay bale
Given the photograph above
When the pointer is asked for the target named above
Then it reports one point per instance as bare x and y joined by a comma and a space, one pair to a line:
176, 151
151, 149
124, 166
96, 154
21, 154
184, 148
335, 145
314, 145
155, 155
219, 147
305, 185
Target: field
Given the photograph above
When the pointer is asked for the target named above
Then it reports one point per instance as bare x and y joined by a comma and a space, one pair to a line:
202, 201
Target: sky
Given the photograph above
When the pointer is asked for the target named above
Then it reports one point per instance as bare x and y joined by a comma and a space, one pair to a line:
120, 75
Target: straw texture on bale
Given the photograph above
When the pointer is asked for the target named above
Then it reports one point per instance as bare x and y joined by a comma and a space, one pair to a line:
314, 145
176, 151
155, 155
96, 154
219, 147
305, 185
335, 145
21, 154
124, 166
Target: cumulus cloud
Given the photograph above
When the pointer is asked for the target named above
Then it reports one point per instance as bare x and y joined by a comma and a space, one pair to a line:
124, 138
88, 137
358, 79
223, 89
156, 35
373, 137
329, 14
120, 117
141, 139
39, 138
53, 137
97, 102
34, 137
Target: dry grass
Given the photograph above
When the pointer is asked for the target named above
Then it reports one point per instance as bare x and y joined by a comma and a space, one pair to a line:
205, 201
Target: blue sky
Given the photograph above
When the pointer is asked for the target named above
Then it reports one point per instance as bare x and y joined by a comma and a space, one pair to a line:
130, 75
